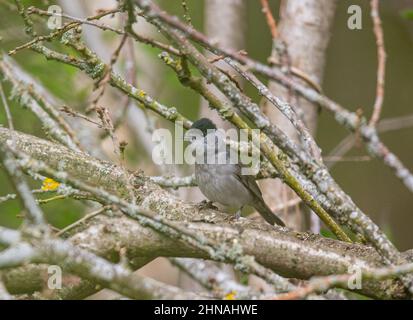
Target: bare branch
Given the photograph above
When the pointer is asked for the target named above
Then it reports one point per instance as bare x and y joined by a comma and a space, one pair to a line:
6, 107
213, 278
381, 65
270, 18
23, 91
34, 214
321, 284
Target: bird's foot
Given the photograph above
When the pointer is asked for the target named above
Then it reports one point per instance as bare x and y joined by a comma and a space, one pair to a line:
237, 216
206, 204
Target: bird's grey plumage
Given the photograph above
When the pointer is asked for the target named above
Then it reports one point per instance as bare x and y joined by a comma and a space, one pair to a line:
224, 183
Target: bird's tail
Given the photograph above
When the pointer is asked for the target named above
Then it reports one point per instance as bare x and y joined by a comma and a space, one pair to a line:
267, 214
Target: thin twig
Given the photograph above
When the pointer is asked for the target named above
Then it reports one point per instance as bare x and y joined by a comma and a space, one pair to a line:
101, 83
59, 31
199, 37
187, 16
347, 159
105, 27
321, 284
23, 93
82, 220
272, 25
384, 125
381, 65
396, 123
6, 107
69, 111
284, 107
212, 277
34, 213
12, 196
103, 112
87, 21
58, 197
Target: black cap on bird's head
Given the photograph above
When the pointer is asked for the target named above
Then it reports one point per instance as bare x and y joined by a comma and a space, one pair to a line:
204, 125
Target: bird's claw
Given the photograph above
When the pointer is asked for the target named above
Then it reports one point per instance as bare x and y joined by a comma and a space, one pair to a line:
205, 204
236, 217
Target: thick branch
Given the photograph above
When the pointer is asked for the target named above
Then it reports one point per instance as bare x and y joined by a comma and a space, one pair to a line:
86, 264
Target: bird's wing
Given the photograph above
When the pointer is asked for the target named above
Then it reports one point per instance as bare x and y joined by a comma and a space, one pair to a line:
250, 183
247, 180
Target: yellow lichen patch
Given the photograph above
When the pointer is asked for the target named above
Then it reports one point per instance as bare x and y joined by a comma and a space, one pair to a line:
230, 296
142, 94
50, 185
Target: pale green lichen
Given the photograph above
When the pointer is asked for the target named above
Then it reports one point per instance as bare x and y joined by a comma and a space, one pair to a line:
96, 71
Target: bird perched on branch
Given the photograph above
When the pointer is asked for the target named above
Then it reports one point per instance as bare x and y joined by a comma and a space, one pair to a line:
224, 183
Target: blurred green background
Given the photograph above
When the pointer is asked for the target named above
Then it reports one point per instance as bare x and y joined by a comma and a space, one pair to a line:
350, 79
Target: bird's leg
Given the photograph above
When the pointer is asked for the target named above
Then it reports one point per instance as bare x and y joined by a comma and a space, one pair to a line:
238, 213
206, 204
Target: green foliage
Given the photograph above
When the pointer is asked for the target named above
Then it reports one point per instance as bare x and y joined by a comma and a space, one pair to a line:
407, 14
61, 213
327, 234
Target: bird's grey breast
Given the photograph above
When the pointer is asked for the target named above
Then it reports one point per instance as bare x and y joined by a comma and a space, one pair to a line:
219, 183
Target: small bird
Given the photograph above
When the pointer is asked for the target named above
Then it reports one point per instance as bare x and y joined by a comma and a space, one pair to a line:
224, 183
